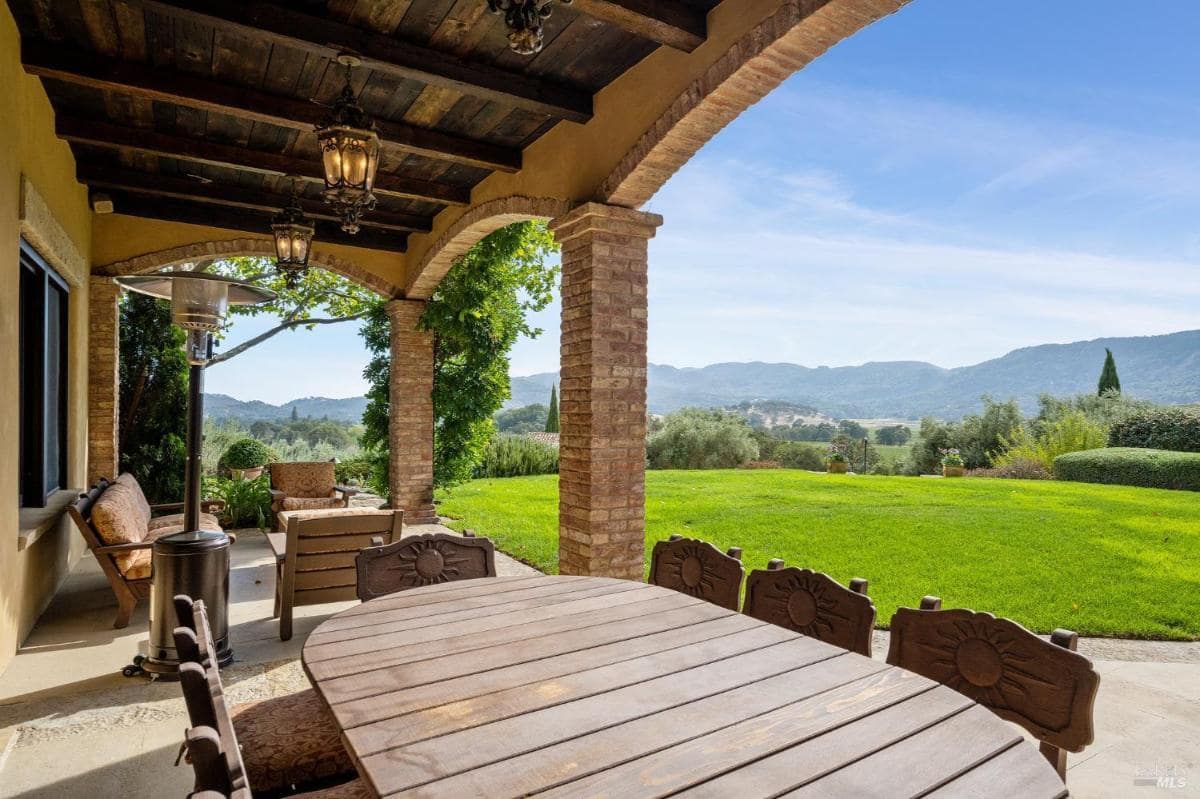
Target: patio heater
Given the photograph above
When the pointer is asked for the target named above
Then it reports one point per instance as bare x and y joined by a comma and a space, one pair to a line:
193, 562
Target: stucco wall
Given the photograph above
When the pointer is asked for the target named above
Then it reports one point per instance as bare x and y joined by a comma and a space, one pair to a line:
59, 212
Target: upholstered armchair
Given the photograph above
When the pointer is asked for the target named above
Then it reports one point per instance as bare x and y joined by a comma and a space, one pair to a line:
305, 486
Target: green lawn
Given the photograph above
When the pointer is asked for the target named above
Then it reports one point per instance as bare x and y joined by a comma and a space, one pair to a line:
1101, 560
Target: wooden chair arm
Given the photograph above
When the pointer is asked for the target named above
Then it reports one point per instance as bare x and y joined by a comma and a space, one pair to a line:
277, 495
166, 506
206, 505
348, 491
131, 546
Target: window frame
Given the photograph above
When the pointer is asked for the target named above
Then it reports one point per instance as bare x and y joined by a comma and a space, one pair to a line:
39, 286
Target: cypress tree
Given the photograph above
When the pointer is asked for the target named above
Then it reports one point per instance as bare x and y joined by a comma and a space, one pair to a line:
295, 414
552, 416
1108, 375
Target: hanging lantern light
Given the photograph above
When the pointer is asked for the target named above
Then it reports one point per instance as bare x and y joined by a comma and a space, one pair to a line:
524, 19
293, 238
349, 153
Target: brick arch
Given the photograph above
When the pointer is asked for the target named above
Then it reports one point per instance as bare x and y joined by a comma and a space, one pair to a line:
230, 248
781, 45
469, 229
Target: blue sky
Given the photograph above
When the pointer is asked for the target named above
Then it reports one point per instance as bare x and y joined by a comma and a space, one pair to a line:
958, 180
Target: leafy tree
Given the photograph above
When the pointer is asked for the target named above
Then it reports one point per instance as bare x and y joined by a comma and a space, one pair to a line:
701, 439
477, 313
1109, 382
893, 435
527, 419
979, 437
153, 375
552, 414
852, 429
318, 298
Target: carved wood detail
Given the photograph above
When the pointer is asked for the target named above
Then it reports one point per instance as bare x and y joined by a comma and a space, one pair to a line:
423, 560
814, 604
698, 568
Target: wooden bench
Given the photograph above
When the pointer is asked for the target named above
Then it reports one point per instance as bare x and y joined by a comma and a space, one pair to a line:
130, 578
315, 555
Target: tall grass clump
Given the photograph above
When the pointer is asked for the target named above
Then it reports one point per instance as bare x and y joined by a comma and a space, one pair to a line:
517, 456
1074, 432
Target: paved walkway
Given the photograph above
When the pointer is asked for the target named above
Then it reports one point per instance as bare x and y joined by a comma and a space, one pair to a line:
71, 727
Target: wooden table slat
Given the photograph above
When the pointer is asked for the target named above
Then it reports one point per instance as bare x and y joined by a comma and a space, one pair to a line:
419, 599
444, 719
445, 696
447, 603
920, 762
608, 749
594, 687
804, 757
504, 660
1010, 773
451, 613
415, 764
754, 740
605, 596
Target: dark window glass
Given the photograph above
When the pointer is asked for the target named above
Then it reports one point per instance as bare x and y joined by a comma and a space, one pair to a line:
43, 370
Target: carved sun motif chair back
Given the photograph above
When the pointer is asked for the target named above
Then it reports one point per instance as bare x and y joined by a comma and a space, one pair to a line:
698, 568
814, 604
1046, 687
423, 560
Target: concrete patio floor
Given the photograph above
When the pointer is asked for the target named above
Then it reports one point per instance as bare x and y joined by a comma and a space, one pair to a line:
72, 726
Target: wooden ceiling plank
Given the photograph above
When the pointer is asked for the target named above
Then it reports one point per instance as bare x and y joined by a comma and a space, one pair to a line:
98, 175
206, 94
282, 25
196, 213
104, 134
668, 22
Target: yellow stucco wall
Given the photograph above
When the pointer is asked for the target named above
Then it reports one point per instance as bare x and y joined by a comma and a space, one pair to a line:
28, 577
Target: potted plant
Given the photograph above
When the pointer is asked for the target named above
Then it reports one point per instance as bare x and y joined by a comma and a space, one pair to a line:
952, 463
246, 458
838, 463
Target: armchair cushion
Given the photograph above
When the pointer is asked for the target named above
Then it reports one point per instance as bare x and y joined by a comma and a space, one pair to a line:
290, 740
119, 518
207, 522
136, 565
310, 503
309, 479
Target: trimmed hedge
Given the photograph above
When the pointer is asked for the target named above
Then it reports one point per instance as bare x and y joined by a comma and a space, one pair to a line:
1128, 466
1176, 429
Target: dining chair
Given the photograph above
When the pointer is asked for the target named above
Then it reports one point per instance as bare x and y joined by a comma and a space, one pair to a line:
287, 741
1044, 686
422, 560
698, 568
812, 603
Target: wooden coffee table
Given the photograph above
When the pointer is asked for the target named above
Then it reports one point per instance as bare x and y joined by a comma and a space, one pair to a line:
586, 686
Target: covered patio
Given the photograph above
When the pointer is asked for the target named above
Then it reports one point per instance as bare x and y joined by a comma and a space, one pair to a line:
151, 134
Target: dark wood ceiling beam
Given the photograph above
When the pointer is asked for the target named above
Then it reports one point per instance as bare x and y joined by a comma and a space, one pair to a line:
173, 210
183, 188
668, 22
205, 151
325, 36
48, 60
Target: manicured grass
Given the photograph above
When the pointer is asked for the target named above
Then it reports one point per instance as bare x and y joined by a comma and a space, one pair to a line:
1101, 560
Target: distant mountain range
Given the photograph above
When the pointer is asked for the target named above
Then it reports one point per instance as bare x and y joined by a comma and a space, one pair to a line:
222, 406
1161, 368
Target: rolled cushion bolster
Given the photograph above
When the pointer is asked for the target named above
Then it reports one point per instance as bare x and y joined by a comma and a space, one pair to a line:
290, 740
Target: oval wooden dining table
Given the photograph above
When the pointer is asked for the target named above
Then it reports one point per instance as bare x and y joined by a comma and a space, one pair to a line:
588, 686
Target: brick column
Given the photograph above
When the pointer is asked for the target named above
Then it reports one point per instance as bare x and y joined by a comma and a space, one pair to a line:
602, 396
103, 346
410, 417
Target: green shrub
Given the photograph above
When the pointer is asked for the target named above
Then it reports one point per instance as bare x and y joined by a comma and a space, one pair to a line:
353, 471
1149, 468
794, 455
247, 502
701, 439
1017, 469
245, 453
517, 456
1074, 432
1176, 429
